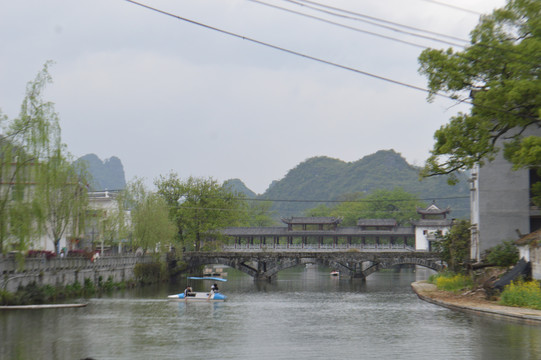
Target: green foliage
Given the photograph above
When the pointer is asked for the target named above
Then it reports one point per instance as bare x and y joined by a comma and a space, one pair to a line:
35, 294
61, 190
199, 207
381, 204
7, 298
73, 290
522, 294
499, 74
31, 152
148, 273
257, 213
152, 228
449, 281
88, 288
24, 146
109, 285
504, 254
454, 247
326, 179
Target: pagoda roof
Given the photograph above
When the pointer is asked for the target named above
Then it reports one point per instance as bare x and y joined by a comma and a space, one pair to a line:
433, 210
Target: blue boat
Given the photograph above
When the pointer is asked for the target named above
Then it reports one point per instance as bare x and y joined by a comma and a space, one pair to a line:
198, 295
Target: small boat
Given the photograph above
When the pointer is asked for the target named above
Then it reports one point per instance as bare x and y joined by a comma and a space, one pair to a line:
198, 295
335, 273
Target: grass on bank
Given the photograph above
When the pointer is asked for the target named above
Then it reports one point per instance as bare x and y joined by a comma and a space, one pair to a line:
33, 294
522, 294
449, 281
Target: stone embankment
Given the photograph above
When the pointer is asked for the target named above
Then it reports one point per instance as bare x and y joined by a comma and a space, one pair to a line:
472, 303
64, 271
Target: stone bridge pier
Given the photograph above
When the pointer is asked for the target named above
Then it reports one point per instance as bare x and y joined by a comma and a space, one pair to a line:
265, 265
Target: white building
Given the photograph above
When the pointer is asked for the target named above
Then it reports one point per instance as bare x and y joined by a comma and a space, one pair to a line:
433, 222
101, 204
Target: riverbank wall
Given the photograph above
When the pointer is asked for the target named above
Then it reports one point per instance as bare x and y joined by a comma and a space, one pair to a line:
474, 305
64, 271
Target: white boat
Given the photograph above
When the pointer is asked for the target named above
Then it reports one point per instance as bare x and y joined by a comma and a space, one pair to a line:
198, 295
335, 273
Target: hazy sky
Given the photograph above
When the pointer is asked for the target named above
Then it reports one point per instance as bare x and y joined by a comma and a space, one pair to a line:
164, 94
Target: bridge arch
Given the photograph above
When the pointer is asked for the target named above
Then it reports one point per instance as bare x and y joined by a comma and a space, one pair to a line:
435, 265
265, 265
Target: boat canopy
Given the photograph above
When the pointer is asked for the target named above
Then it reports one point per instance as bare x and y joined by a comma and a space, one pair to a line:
206, 278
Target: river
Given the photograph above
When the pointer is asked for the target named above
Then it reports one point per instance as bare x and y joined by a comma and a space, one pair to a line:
303, 314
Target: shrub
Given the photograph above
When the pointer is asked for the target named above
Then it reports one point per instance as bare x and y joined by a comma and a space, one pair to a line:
6, 298
147, 273
89, 288
504, 254
109, 285
74, 289
523, 294
451, 282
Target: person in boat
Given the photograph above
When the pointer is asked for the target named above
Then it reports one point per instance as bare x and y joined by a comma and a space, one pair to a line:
213, 290
188, 292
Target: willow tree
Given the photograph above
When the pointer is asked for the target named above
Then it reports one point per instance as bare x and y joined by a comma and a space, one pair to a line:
24, 149
151, 228
61, 191
499, 75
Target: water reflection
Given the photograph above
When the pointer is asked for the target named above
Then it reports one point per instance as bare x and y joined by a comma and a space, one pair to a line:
305, 314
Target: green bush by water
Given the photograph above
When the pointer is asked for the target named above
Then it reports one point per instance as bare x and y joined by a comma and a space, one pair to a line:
450, 281
522, 294
33, 293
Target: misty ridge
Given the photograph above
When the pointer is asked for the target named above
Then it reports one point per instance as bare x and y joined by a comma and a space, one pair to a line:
322, 179
328, 179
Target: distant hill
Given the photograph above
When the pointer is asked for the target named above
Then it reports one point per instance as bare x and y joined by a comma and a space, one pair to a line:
238, 186
106, 175
324, 178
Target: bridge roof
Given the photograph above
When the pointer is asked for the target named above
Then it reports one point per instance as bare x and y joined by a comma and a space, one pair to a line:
376, 222
345, 231
255, 231
312, 220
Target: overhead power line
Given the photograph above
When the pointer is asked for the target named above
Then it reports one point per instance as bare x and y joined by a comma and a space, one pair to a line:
357, 15
371, 19
396, 82
327, 62
357, 201
364, 31
341, 25
453, 7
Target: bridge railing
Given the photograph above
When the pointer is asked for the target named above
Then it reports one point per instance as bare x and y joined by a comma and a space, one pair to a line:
318, 247
37, 265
